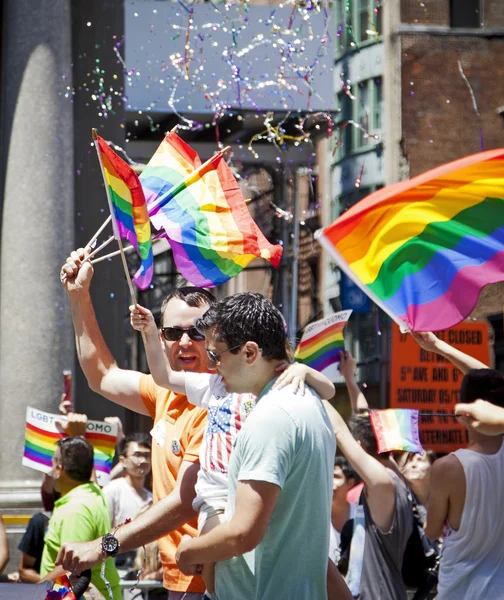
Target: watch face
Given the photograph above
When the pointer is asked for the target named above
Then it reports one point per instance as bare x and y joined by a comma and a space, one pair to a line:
110, 544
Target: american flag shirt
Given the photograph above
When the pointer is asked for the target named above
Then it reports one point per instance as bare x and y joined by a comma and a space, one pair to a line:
226, 415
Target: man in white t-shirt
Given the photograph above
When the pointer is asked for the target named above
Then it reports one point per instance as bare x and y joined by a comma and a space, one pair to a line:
127, 496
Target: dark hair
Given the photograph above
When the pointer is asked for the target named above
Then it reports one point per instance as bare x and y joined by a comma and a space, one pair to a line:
76, 457
192, 296
241, 318
484, 384
362, 430
142, 439
346, 467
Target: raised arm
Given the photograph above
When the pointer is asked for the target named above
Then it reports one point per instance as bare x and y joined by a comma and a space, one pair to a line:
102, 373
347, 368
142, 320
380, 487
430, 342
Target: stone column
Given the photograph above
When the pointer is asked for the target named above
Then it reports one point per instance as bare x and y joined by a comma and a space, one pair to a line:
37, 226
97, 25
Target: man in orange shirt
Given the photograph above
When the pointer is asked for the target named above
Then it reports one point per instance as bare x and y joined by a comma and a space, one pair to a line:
178, 426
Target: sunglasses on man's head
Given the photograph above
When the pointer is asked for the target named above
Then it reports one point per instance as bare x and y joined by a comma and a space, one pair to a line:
174, 334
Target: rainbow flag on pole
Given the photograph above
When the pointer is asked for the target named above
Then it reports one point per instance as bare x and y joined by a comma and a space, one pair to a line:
42, 434
130, 219
423, 249
322, 343
396, 429
203, 214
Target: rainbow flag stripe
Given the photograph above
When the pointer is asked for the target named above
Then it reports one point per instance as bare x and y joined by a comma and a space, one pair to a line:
173, 162
396, 429
322, 342
203, 214
423, 249
130, 210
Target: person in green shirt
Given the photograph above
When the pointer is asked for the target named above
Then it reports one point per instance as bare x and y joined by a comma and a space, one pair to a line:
81, 513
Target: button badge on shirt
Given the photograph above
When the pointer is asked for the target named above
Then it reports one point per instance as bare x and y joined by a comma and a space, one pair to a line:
175, 446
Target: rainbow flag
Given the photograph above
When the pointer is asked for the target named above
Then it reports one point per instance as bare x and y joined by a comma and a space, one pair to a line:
130, 219
396, 429
203, 214
423, 249
322, 342
41, 435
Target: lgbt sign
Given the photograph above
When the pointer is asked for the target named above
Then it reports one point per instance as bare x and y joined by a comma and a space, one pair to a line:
322, 342
42, 433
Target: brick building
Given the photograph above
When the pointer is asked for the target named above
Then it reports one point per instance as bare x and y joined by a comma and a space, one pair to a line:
402, 73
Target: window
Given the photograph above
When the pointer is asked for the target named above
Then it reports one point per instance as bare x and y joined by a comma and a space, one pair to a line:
363, 20
465, 13
367, 111
363, 113
357, 22
377, 104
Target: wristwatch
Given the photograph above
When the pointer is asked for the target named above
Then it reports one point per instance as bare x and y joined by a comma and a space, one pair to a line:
110, 544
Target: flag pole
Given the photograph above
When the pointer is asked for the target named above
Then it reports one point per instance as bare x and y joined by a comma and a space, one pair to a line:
191, 178
106, 243
343, 265
114, 223
95, 236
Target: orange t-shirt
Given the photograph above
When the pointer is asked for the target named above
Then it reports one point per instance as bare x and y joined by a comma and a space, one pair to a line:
184, 426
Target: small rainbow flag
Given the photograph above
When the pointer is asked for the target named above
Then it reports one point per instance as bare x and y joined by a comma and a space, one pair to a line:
130, 219
423, 249
42, 434
396, 429
322, 342
203, 214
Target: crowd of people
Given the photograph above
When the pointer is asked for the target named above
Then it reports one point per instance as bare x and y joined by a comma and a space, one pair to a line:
250, 498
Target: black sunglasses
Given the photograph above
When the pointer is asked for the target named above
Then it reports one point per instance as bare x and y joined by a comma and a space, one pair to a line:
214, 357
174, 334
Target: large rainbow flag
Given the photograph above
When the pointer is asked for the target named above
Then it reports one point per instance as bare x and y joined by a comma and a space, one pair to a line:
423, 249
203, 214
129, 209
42, 434
396, 429
322, 343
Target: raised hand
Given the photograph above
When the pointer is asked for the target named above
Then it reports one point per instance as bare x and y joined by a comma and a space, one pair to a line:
142, 318
482, 416
348, 364
77, 272
426, 339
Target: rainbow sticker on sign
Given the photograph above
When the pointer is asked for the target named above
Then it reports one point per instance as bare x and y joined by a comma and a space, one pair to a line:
396, 429
42, 433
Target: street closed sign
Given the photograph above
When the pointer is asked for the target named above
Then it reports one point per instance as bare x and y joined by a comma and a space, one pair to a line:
430, 383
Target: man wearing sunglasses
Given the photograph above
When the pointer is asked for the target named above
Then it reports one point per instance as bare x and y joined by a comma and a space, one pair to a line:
178, 426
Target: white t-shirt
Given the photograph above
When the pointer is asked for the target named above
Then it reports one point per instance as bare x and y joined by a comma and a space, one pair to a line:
335, 537
226, 415
124, 502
